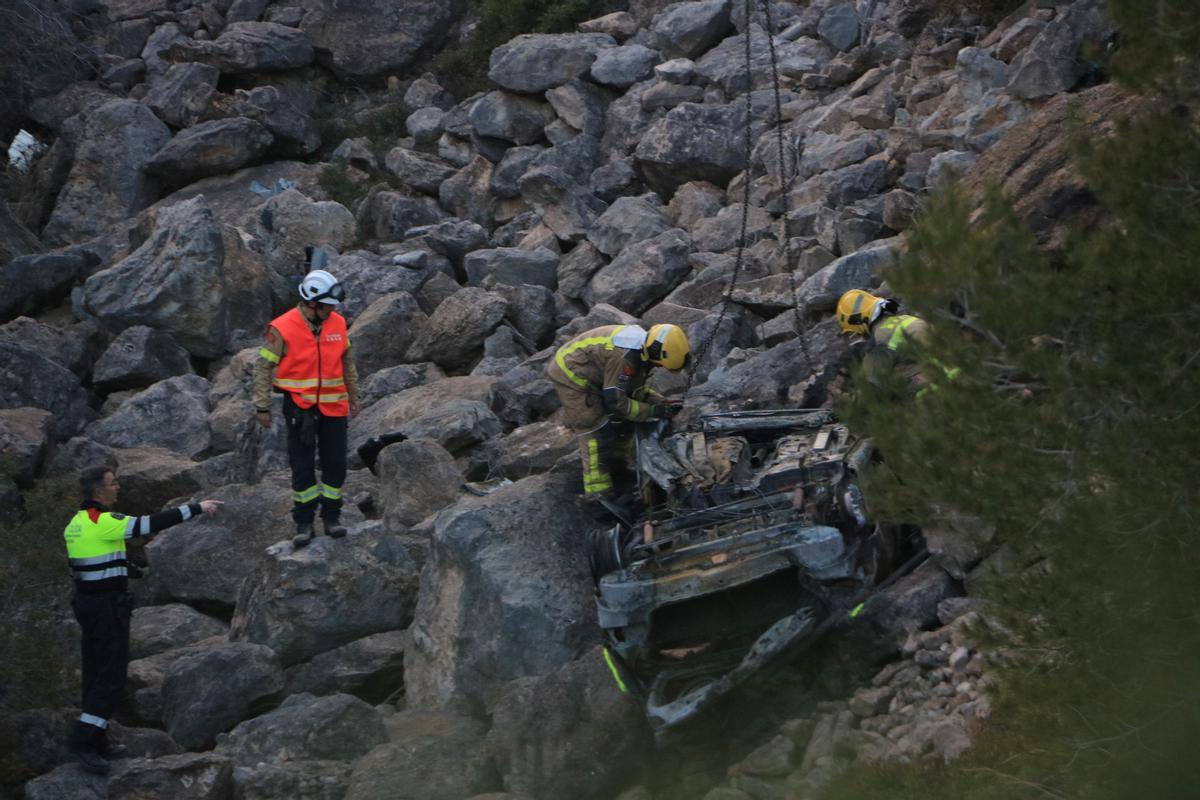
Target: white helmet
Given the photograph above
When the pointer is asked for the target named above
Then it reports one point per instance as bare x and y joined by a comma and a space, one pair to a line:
321, 287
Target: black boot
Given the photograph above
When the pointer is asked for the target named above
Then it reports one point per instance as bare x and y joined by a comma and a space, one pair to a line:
334, 529
83, 744
109, 749
304, 534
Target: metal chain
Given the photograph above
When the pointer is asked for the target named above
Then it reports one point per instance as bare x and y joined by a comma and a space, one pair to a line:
702, 349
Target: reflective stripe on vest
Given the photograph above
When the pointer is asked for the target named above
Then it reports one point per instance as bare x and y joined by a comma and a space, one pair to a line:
567, 349
311, 367
96, 550
896, 326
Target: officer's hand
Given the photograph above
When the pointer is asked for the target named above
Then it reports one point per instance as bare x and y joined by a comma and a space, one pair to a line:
211, 507
355, 407
263, 418
664, 410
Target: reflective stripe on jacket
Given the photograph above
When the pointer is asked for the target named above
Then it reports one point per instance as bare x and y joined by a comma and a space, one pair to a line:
311, 367
96, 547
597, 363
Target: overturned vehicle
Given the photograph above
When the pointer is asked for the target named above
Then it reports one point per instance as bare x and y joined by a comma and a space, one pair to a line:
756, 541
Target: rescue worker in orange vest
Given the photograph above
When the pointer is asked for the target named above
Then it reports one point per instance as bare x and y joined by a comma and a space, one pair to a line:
887, 334
95, 539
600, 378
308, 349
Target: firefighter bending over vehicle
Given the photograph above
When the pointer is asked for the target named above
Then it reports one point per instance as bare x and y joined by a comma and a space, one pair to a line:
308, 349
887, 335
600, 378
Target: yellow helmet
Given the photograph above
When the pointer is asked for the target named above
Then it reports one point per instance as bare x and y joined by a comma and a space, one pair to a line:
667, 346
856, 311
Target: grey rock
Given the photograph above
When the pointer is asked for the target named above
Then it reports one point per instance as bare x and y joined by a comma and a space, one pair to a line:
172, 282
172, 413
425, 125
283, 604
847, 185
839, 26
721, 232
533, 63
679, 71
26, 438
138, 357
620, 25
210, 148
249, 47
665, 96
466, 194
456, 330
1051, 64
371, 668
107, 182
643, 273
626, 121
285, 110
416, 478
515, 163
685, 30
531, 310
509, 116
576, 268
75, 347
290, 220
181, 95
569, 733
615, 179
162, 41
627, 221
246, 10
624, 66
395, 411
456, 424
54, 110
157, 629
531, 448
383, 332
391, 380
524, 394
337, 727
820, 293
566, 207
581, 104
28, 380
695, 201
377, 37
689, 144
506, 593
1018, 37
513, 266
208, 691
824, 152
67, 781
301, 780
187, 776
978, 72
948, 163
431, 756
453, 238
426, 91
908, 606
387, 215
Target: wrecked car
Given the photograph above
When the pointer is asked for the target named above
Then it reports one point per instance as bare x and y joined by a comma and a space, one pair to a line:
755, 538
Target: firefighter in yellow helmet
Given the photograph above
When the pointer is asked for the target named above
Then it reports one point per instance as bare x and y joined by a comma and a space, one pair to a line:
600, 378
887, 334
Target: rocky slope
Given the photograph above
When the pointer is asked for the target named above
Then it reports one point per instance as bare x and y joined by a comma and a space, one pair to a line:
446, 649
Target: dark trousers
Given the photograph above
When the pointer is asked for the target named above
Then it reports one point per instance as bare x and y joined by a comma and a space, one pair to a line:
104, 618
312, 434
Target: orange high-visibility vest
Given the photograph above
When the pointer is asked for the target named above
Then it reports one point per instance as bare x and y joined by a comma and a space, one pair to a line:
311, 367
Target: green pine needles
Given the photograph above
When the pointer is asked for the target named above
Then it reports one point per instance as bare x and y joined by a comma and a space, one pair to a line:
1074, 429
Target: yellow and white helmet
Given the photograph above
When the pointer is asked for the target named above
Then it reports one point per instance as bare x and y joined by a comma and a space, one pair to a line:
667, 346
856, 310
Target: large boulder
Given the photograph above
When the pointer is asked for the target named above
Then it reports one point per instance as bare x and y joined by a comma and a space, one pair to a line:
513, 266
210, 690
138, 357
643, 273
26, 436
456, 425
367, 277
146, 675
301, 780
172, 413
417, 477
174, 282
512, 117
566, 207
531, 448
686, 30
181, 96
36, 281
419, 171
377, 37
387, 215
30, 380
338, 727
431, 756
506, 593
571, 733
108, 182
466, 193
210, 148
370, 579
289, 221
393, 380
627, 221
622, 67
157, 629
456, 330
1052, 63
398, 410
187, 776
691, 143
371, 668
248, 47
286, 110
534, 62
581, 105
383, 332
821, 291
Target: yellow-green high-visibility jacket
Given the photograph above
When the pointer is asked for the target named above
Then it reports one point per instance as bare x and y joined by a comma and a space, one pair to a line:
96, 539
606, 361
890, 337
